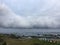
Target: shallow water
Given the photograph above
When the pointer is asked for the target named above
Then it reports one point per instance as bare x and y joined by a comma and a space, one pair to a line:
5, 30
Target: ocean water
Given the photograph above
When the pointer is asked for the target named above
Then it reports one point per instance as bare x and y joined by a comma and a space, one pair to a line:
30, 31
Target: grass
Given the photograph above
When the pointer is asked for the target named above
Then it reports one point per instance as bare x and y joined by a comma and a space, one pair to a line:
6, 40
29, 42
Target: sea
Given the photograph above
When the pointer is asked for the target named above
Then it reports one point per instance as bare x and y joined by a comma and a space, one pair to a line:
29, 31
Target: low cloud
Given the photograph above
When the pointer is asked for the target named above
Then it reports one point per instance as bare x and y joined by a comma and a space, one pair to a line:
47, 19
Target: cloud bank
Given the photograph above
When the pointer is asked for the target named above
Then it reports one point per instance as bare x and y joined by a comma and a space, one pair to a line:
49, 18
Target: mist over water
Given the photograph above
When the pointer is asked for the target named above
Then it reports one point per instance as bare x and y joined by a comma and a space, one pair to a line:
30, 31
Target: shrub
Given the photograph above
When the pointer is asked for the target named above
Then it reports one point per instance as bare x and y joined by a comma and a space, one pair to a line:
4, 43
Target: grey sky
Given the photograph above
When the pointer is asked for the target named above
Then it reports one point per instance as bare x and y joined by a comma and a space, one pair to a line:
30, 13
32, 7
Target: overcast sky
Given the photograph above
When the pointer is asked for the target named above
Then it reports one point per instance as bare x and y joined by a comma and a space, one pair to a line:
30, 13
31, 7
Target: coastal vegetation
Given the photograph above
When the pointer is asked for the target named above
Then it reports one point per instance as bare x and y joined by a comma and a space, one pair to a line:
11, 39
